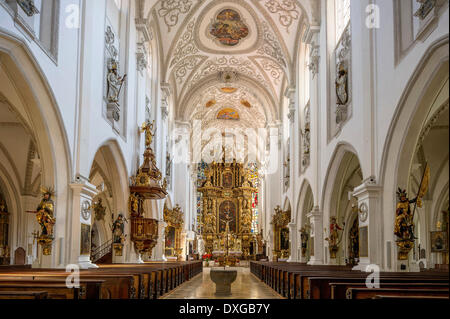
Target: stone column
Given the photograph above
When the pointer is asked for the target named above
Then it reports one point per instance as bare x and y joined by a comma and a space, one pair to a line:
293, 242
82, 195
316, 239
370, 232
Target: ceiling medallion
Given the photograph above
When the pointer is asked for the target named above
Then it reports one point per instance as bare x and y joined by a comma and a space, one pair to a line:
228, 76
228, 89
210, 103
228, 27
228, 114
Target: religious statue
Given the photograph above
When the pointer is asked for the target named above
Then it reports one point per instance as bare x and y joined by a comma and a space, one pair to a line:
404, 225
3, 206
354, 243
118, 229
44, 213
148, 128
333, 238
341, 85
246, 218
133, 205
304, 238
99, 210
114, 81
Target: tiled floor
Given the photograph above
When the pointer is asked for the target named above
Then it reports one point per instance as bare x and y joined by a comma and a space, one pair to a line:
246, 286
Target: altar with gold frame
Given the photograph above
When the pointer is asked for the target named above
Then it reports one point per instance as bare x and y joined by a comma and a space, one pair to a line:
172, 233
227, 199
279, 223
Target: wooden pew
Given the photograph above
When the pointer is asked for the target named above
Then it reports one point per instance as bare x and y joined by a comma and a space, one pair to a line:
32, 295
320, 288
300, 281
339, 289
367, 293
119, 281
113, 286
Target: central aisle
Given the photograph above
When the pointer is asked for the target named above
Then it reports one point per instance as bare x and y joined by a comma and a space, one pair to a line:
246, 286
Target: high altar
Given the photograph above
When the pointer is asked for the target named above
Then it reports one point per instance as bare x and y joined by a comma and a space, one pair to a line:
227, 214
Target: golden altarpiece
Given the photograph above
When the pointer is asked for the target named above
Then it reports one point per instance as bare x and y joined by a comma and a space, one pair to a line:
226, 220
172, 243
280, 221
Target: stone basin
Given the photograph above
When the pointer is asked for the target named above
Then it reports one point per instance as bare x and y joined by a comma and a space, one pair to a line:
223, 278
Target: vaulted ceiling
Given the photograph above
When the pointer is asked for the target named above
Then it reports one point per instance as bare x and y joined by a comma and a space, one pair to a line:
249, 45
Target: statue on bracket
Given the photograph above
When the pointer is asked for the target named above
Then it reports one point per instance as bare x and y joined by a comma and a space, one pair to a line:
404, 220
333, 238
45, 219
304, 238
118, 230
404, 224
99, 210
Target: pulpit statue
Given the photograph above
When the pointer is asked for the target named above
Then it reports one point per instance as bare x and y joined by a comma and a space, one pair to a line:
147, 127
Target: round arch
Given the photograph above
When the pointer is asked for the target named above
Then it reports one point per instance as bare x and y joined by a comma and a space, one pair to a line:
25, 87
408, 120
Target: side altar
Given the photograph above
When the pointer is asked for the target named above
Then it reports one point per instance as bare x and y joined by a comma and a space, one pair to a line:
226, 220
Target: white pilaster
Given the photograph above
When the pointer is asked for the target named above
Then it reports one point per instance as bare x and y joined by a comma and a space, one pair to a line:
371, 250
82, 195
315, 219
293, 242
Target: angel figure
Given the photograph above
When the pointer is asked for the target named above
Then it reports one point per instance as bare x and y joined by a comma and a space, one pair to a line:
147, 127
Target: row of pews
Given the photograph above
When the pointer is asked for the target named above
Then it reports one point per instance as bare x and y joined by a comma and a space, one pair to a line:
301, 281
113, 281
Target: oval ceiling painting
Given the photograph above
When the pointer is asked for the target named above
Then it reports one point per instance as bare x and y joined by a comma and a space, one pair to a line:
229, 28
228, 114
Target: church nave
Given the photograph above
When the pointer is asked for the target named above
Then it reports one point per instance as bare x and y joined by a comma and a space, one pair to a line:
246, 286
